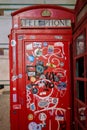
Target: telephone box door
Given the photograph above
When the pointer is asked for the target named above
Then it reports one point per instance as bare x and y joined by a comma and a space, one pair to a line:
43, 82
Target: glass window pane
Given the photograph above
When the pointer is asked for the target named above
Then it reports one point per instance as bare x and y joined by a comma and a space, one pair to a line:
80, 90
80, 67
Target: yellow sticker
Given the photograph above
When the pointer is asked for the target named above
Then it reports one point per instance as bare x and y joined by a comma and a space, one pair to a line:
33, 79
30, 117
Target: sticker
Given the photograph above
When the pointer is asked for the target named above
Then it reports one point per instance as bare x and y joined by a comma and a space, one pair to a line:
39, 69
32, 107
51, 65
34, 90
50, 49
15, 25
34, 126
43, 103
54, 100
29, 47
61, 64
13, 43
42, 76
37, 44
14, 97
29, 86
14, 89
31, 73
58, 37
38, 52
32, 79
45, 44
30, 117
14, 77
41, 83
31, 58
62, 86
59, 117
56, 78
17, 106
42, 116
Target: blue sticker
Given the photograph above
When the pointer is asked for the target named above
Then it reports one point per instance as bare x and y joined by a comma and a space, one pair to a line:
45, 44
62, 86
50, 49
39, 69
31, 58
43, 103
34, 90
32, 107
29, 86
34, 126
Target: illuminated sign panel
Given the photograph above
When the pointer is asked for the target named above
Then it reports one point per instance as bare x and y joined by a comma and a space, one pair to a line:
45, 23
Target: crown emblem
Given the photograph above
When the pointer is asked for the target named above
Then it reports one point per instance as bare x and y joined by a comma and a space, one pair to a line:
46, 13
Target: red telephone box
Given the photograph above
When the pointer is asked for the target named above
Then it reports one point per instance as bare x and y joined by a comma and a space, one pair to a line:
40, 75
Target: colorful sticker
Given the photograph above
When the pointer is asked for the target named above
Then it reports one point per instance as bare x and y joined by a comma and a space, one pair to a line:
13, 43
38, 52
34, 90
30, 58
62, 86
29, 86
39, 69
42, 103
32, 79
34, 126
30, 117
50, 49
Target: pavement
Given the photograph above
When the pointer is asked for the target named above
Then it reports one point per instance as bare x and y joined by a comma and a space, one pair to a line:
4, 110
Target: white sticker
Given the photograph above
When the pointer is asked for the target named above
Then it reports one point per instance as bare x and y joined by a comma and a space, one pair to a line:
29, 47
14, 97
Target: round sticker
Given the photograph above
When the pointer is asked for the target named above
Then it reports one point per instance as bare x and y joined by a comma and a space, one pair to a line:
32, 126
13, 43
38, 52
32, 79
29, 86
42, 116
39, 69
30, 117
34, 90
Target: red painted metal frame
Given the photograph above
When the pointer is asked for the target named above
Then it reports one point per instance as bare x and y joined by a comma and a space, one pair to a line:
22, 118
80, 28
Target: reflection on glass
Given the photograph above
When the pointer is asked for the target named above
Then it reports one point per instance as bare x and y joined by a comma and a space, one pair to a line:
80, 45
